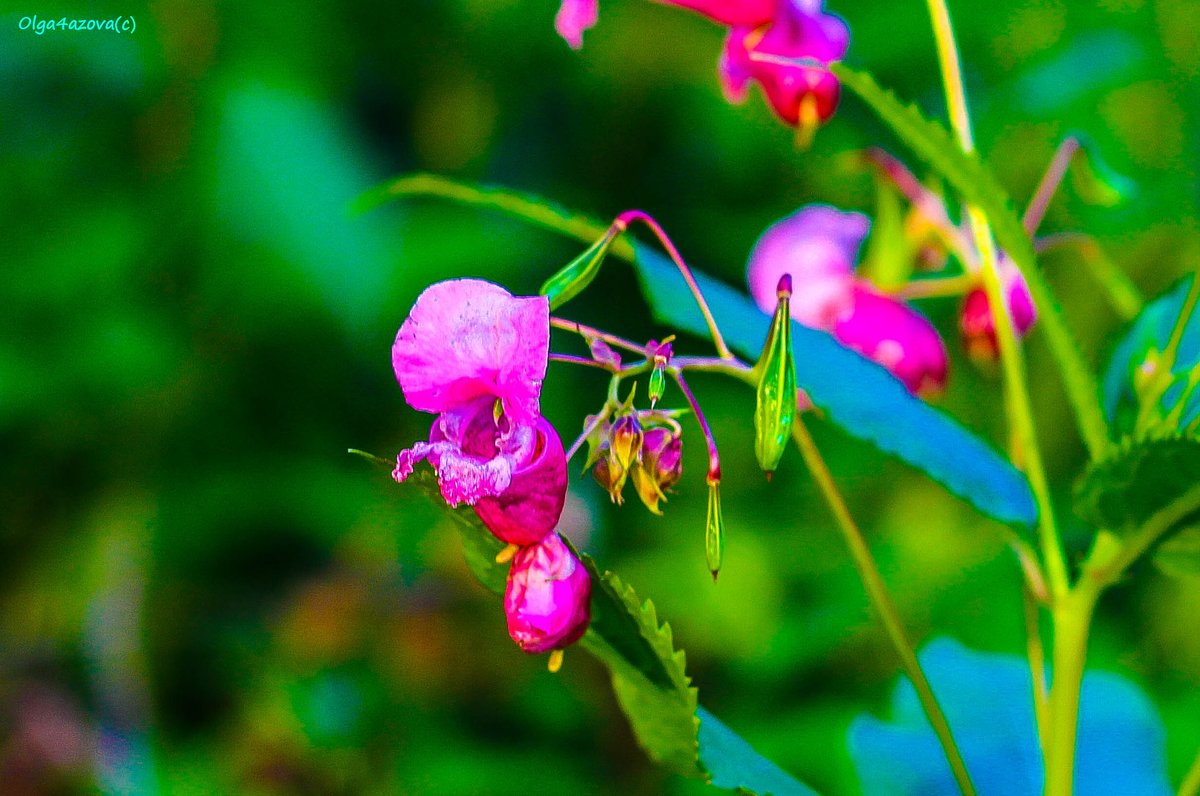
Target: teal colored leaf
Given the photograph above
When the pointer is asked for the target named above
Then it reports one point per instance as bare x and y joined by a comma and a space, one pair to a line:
976, 184
649, 675
988, 701
1150, 332
731, 762
1136, 480
856, 394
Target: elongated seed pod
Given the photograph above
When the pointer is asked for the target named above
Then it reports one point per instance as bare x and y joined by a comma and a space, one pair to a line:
775, 410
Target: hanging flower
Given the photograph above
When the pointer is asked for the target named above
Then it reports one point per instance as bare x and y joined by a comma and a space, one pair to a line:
476, 355
547, 597
802, 95
889, 332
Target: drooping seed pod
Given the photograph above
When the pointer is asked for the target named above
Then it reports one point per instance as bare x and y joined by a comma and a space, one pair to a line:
775, 410
714, 530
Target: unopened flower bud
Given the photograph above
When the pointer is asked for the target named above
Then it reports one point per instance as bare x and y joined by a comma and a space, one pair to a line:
625, 441
547, 597
611, 475
660, 355
979, 326
775, 409
660, 468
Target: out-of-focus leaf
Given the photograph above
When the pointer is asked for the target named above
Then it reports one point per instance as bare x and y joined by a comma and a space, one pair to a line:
857, 394
888, 262
934, 144
1137, 479
648, 674
1180, 555
1095, 181
1127, 368
988, 701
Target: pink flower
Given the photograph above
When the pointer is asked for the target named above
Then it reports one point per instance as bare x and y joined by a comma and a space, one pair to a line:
977, 323
891, 333
818, 245
467, 338
800, 95
574, 17
476, 356
547, 597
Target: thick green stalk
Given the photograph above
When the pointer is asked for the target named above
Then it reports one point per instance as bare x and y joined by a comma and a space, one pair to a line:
1072, 620
881, 599
1191, 780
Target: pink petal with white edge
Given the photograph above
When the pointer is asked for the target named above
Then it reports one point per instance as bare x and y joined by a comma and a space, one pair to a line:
467, 338
574, 17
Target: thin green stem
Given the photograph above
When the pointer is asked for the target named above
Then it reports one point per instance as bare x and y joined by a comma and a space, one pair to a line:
881, 599
1036, 654
937, 287
1191, 781
1011, 359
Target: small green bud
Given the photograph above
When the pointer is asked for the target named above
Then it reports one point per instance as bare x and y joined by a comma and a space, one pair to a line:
775, 410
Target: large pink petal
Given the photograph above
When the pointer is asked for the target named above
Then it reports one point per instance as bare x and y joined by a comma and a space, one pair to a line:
529, 508
896, 336
751, 13
467, 338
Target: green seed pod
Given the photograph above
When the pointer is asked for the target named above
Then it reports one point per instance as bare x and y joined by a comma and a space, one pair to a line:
658, 383
776, 407
714, 530
576, 275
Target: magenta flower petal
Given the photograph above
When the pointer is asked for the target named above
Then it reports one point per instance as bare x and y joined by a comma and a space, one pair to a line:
798, 29
896, 336
467, 338
529, 508
574, 17
472, 456
750, 13
818, 245
547, 597
977, 323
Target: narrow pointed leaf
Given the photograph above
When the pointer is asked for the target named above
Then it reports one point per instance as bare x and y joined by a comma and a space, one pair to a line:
576, 275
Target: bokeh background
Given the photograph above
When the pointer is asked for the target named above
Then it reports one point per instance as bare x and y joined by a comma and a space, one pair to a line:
200, 592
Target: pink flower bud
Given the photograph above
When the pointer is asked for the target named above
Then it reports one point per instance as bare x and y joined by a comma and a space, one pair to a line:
977, 324
896, 336
818, 245
802, 96
547, 597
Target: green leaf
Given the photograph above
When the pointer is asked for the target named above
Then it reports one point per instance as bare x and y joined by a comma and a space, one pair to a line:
1135, 480
858, 395
888, 262
649, 675
976, 184
1179, 556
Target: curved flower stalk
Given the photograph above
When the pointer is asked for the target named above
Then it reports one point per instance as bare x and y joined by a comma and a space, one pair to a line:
766, 40
818, 245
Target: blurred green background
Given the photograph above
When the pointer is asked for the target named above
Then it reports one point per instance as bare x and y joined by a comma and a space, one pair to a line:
200, 592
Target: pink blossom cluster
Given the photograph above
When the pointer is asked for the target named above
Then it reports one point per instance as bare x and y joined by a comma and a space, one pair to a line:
783, 45
475, 356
